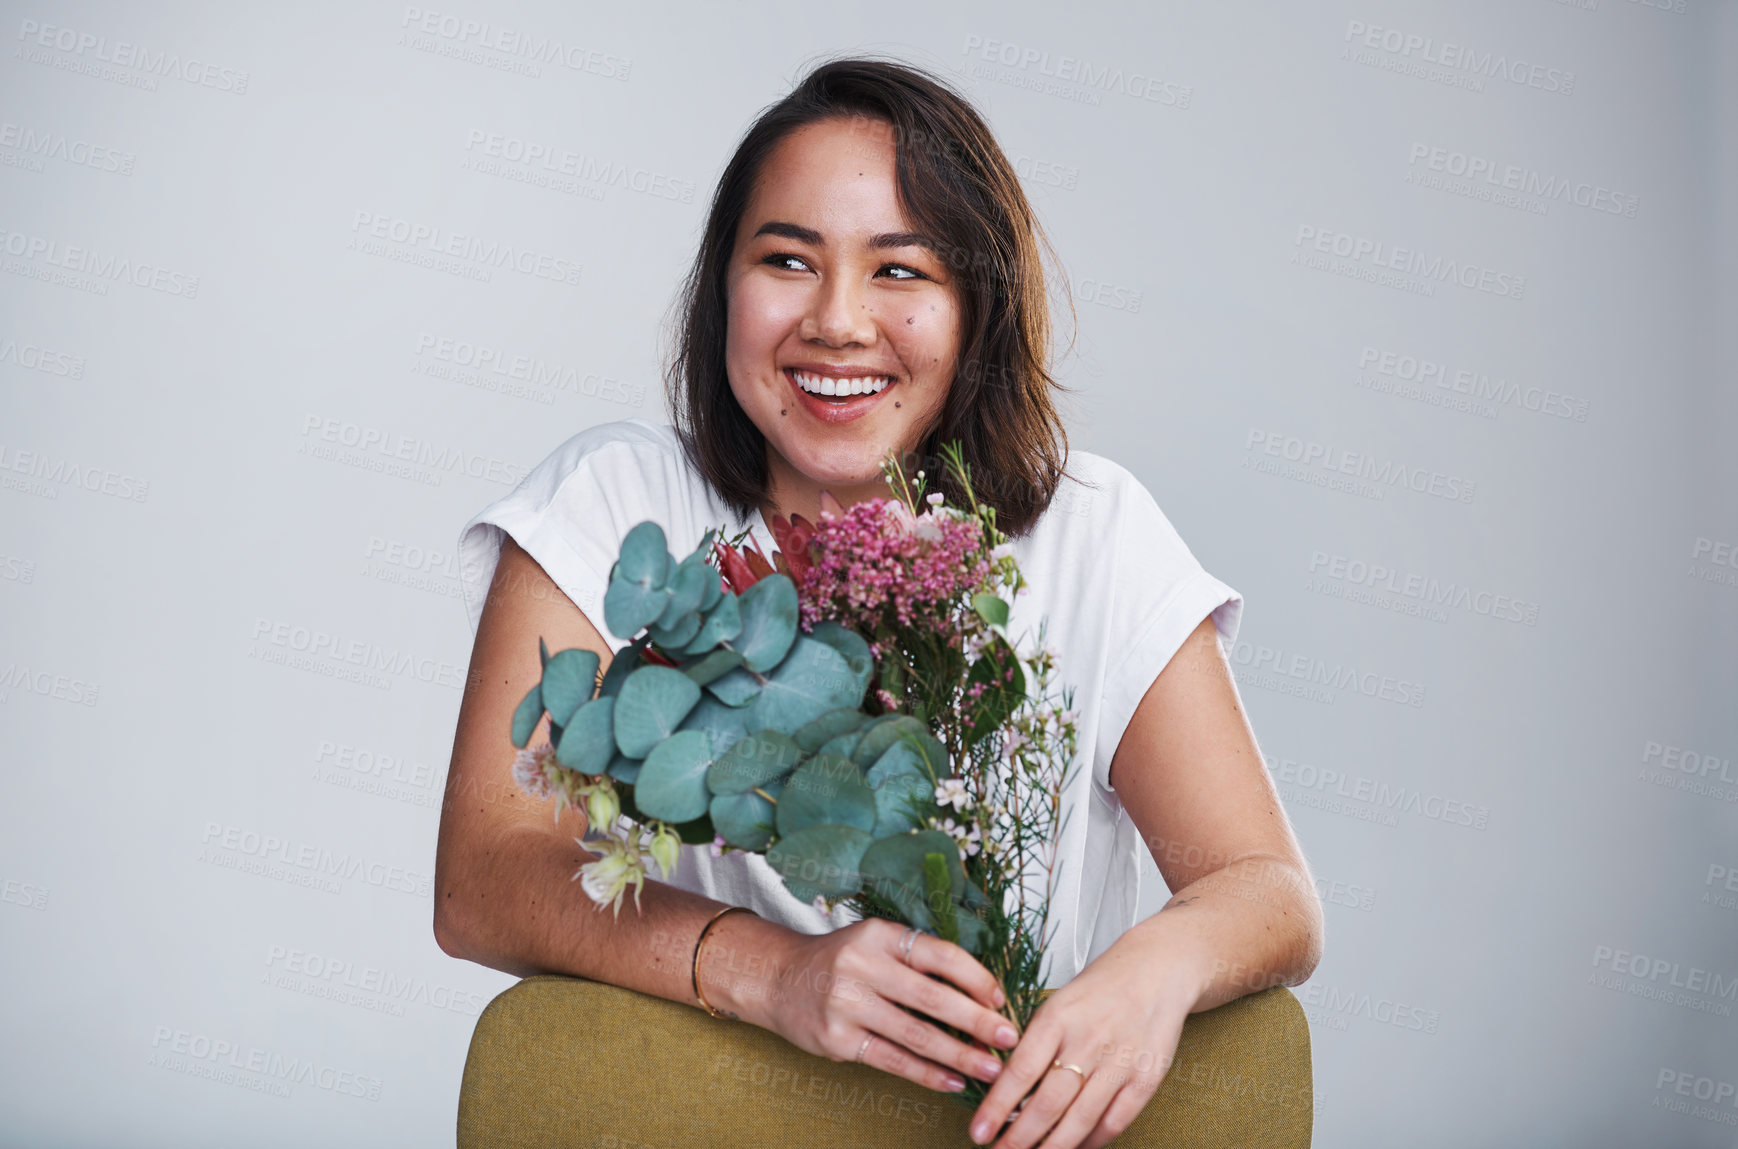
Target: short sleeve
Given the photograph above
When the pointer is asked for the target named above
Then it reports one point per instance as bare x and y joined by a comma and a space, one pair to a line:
1159, 593
572, 510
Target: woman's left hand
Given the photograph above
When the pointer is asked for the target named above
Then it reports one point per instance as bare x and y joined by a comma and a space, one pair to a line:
1119, 1021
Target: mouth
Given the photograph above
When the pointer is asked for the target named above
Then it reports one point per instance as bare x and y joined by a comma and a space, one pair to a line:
838, 398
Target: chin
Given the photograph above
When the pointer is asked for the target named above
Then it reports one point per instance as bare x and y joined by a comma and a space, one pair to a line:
843, 464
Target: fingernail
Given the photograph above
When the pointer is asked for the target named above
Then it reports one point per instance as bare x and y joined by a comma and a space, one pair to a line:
953, 1083
989, 1069
981, 1132
1007, 1036
1001, 998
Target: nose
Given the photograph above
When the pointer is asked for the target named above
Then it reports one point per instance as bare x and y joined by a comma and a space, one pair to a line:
839, 314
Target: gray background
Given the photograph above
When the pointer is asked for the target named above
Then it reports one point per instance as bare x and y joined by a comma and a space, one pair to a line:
216, 848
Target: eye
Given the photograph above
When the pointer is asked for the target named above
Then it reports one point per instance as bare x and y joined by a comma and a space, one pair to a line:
783, 259
909, 273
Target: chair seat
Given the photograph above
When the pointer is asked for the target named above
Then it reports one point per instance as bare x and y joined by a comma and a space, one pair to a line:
560, 1062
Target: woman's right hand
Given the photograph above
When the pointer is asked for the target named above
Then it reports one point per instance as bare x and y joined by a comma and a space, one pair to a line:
838, 988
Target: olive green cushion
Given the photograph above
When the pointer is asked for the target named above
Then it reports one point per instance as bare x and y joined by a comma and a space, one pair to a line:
562, 1061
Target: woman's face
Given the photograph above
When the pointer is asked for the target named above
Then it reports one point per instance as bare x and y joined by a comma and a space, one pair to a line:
829, 290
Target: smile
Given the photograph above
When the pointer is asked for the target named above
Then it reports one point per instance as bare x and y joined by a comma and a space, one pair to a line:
838, 398
840, 385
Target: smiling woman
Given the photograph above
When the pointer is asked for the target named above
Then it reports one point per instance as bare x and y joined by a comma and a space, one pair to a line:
869, 283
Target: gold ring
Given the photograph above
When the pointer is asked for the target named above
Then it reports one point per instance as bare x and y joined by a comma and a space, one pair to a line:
1072, 1069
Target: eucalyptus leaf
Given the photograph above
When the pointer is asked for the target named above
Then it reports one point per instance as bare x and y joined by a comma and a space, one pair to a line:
893, 868
724, 725
736, 688
588, 742
687, 588
826, 791
821, 861
706, 669
753, 760
644, 559
626, 661
852, 647
745, 820
652, 703
527, 714
677, 636
722, 622
624, 769
811, 681
628, 606
901, 802
769, 621
812, 735
568, 681
672, 780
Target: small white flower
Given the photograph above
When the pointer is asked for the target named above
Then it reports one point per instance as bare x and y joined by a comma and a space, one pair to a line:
952, 792
934, 500
1001, 551
717, 846
967, 839
820, 904
529, 772
618, 866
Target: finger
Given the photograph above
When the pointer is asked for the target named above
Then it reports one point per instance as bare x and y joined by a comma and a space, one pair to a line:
929, 1041
891, 1057
939, 1000
931, 954
1081, 1119
1119, 1115
1041, 1110
1025, 1066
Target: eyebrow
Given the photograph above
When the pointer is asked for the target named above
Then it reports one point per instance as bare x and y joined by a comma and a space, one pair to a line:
813, 238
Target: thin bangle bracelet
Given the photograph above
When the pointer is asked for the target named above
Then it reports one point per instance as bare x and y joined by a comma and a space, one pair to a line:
695, 973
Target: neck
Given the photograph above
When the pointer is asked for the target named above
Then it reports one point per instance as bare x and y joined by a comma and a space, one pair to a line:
792, 492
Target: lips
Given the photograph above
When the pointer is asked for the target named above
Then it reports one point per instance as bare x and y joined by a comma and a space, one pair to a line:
832, 410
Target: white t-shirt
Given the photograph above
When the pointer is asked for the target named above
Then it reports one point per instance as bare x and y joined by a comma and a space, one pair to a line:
1118, 585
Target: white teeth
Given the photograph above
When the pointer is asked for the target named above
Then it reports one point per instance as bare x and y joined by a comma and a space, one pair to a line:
827, 385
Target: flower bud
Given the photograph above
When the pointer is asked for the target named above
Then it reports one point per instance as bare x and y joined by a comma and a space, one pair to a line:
602, 807
666, 846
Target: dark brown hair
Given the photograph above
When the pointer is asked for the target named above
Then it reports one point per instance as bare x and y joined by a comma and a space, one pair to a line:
958, 188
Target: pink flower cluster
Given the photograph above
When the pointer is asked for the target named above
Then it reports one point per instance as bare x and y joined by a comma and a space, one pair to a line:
877, 563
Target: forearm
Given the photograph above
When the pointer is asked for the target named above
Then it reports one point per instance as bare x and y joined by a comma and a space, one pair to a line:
513, 905
1254, 923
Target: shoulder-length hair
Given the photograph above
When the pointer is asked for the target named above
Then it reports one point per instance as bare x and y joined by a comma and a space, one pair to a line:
958, 188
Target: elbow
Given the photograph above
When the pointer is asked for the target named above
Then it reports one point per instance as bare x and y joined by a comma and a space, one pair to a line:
448, 930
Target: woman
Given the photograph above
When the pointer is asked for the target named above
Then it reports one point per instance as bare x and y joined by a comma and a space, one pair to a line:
870, 281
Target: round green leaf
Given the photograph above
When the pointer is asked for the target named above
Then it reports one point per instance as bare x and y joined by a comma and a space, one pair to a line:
724, 725
901, 802
526, 715
625, 769
672, 780
753, 760
893, 868
723, 622
627, 606
820, 861
826, 791
568, 681
687, 588
652, 703
811, 681
588, 742
812, 735
643, 558
769, 621
852, 647
706, 669
990, 608
745, 820
735, 688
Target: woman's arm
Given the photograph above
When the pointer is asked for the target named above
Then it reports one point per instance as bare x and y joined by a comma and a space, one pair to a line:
1244, 916
504, 894
505, 898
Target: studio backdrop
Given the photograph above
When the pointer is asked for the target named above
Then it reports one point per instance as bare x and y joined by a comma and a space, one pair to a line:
1417, 319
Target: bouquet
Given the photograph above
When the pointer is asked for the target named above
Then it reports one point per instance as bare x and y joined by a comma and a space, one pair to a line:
853, 709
